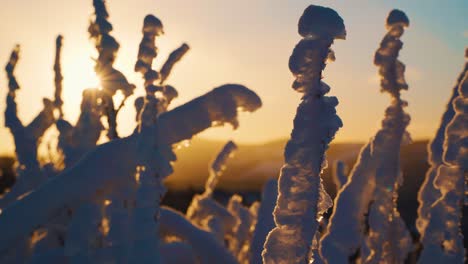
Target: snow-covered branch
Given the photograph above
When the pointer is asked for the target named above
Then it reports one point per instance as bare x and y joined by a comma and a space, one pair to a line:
339, 174
302, 199
58, 76
108, 166
265, 222
373, 183
442, 239
111, 79
428, 194
174, 57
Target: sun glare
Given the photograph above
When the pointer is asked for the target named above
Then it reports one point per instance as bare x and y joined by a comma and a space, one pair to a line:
78, 75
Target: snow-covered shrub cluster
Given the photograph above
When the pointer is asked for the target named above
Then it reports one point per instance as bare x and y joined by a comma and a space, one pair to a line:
100, 203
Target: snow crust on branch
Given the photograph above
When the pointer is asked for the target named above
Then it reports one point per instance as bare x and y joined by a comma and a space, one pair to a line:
265, 222
204, 210
428, 193
301, 197
26, 138
442, 239
217, 107
152, 104
373, 183
174, 57
238, 237
10, 68
218, 165
339, 174
58, 76
111, 79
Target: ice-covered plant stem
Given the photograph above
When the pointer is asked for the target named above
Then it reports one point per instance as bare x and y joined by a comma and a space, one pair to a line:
111, 79
388, 239
442, 239
26, 138
264, 222
204, 210
428, 194
155, 105
58, 76
301, 197
373, 183
339, 174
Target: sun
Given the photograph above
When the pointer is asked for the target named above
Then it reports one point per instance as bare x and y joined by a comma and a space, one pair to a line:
78, 73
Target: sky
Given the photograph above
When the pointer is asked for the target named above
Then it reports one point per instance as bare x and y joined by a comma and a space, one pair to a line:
246, 42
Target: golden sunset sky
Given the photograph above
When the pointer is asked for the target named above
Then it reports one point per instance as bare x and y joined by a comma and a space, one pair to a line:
244, 41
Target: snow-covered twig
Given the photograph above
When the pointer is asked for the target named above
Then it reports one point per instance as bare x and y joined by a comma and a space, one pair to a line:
339, 174
374, 181
204, 210
442, 239
301, 197
58, 76
265, 222
111, 79
218, 165
428, 194
26, 138
174, 57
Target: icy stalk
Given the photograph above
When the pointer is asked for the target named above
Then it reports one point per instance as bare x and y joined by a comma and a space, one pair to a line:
302, 199
375, 178
204, 210
112, 80
154, 159
442, 240
58, 76
428, 194
388, 239
339, 174
75, 141
152, 28
218, 165
265, 222
26, 138
239, 235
